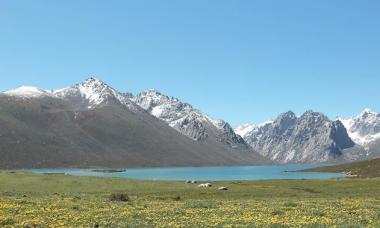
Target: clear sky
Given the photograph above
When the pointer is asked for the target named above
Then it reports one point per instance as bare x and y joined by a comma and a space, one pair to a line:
238, 60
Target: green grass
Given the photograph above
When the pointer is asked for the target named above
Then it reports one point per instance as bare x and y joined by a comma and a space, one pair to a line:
62, 184
363, 169
45, 200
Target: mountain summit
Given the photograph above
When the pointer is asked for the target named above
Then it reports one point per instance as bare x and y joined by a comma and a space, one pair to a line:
91, 93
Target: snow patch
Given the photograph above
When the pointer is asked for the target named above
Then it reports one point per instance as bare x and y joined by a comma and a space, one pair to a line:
364, 128
244, 129
247, 129
28, 92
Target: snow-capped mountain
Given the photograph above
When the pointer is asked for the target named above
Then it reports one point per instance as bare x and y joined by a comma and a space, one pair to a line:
93, 92
310, 138
92, 124
28, 92
364, 128
188, 120
88, 94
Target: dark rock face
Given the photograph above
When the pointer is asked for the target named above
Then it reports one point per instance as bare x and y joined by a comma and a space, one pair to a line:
340, 137
229, 136
311, 138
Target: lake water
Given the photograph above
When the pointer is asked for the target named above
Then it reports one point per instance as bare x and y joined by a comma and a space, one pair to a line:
204, 173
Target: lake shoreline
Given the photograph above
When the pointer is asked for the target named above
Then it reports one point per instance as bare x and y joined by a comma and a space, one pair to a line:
235, 173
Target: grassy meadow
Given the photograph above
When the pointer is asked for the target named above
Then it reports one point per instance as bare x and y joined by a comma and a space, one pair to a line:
362, 169
31, 200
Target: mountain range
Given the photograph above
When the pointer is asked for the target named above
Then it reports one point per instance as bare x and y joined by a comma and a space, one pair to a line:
92, 124
314, 138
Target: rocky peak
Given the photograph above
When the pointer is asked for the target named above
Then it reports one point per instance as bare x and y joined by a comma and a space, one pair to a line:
367, 112
289, 115
283, 122
312, 119
93, 92
151, 99
96, 90
93, 82
364, 128
229, 135
310, 115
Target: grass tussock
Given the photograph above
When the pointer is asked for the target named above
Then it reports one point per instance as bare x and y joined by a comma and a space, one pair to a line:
119, 197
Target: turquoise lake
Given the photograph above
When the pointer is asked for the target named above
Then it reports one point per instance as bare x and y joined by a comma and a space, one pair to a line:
272, 172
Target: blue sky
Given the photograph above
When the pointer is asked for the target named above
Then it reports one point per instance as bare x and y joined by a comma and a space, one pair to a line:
239, 60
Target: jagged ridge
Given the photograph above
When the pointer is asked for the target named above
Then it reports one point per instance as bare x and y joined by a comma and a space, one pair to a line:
188, 120
311, 138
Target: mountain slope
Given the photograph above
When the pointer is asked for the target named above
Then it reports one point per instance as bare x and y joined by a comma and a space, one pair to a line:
311, 138
190, 121
91, 124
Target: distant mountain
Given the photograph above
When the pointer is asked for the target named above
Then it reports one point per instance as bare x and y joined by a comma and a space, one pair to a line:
190, 121
310, 138
364, 130
92, 124
245, 129
28, 92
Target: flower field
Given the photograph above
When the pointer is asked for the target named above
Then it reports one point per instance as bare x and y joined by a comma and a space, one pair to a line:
68, 212
182, 205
